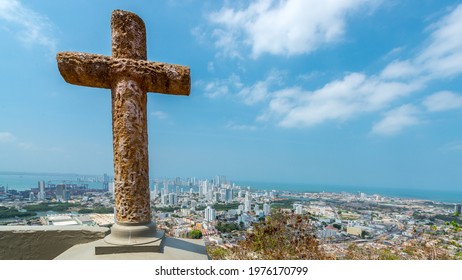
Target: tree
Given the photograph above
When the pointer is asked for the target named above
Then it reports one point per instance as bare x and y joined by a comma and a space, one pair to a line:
195, 234
281, 236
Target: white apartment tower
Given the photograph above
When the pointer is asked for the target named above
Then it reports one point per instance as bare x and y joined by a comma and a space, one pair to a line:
209, 214
266, 209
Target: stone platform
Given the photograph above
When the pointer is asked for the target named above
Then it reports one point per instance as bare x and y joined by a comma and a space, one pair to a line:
171, 249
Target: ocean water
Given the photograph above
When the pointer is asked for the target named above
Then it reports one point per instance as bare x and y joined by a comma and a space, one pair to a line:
440, 195
26, 181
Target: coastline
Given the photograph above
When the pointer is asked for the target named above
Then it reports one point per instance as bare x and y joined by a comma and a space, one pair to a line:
21, 181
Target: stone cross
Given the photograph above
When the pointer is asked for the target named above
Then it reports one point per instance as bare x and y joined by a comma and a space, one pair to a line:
130, 77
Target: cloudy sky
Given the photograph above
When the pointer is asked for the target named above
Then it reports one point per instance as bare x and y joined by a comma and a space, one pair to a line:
351, 92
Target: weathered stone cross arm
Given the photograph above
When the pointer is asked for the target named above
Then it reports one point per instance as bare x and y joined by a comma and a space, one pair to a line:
101, 71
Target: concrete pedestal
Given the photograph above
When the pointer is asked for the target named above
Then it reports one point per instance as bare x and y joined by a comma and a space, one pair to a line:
132, 239
171, 249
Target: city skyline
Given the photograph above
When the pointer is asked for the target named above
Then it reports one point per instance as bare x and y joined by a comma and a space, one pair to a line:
351, 93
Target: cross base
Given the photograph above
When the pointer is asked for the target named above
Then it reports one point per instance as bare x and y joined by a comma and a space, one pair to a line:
132, 239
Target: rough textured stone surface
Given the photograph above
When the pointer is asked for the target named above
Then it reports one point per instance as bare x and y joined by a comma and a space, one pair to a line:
128, 35
92, 70
44, 242
131, 170
129, 76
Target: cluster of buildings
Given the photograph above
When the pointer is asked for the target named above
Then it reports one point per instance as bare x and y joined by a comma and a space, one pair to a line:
223, 212
207, 205
372, 221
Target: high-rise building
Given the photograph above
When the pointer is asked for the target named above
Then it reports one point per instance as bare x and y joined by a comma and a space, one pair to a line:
266, 209
105, 182
220, 180
247, 203
165, 189
164, 199
298, 209
209, 214
458, 209
228, 195
41, 194
66, 195
156, 191
172, 199
201, 192
111, 188
60, 191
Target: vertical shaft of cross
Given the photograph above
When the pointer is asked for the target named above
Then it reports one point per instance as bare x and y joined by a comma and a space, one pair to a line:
130, 77
129, 124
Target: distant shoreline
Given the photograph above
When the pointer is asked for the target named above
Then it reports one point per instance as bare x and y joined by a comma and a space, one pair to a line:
443, 196
30, 180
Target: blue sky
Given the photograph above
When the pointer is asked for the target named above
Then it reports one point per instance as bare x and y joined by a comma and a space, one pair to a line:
349, 92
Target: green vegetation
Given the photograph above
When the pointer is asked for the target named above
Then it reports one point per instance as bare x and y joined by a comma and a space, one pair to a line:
284, 204
225, 207
224, 228
195, 234
97, 210
447, 218
455, 225
50, 206
414, 250
11, 212
217, 253
337, 226
280, 236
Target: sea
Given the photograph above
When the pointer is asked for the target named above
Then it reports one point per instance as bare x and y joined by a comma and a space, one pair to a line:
437, 195
26, 181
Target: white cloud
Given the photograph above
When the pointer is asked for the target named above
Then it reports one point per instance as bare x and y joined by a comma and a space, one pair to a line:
400, 70
159, 115
356, 93
30, 27
6, 136
442, 101
260, 90
442, 56
396, 120
338, 100
287, 27
222, 87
